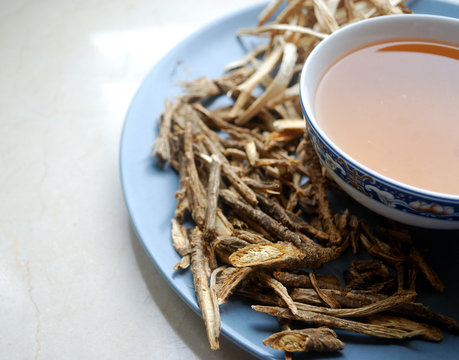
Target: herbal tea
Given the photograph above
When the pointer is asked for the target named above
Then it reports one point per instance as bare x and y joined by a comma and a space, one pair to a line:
394, 107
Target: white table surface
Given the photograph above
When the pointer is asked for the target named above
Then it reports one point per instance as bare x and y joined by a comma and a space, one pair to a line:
75, 283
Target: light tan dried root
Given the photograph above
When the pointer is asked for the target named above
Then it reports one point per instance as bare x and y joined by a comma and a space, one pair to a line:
276, 255
329, 300
386, 304
161, 147
181, 244
231, 281
279, 83
213, 188
315, 339
206, 300
346, 298
279, 289
283, 28
268, 11
334, 322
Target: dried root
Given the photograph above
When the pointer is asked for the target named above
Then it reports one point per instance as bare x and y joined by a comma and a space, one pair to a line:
314, 339
259, 198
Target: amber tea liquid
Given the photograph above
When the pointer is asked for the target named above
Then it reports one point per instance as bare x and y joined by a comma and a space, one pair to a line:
394, 107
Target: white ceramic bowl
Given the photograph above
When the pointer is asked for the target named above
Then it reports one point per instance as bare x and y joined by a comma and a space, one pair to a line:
390, 198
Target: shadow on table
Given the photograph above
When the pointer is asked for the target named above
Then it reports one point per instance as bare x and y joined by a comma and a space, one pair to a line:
191, 331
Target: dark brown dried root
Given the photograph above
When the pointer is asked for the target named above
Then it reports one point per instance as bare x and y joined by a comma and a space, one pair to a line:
368, 275
302, 280
426, 270
426, 332
229, 173
421, 312
315, 254
318, 184
261, 218
289, 219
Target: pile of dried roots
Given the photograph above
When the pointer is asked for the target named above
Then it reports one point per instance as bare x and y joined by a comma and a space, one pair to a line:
258, 197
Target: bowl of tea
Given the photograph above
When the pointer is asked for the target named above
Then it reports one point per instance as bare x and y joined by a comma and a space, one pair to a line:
381, 103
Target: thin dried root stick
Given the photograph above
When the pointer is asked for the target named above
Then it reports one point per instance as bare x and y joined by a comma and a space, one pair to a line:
350, 10
290, 93
315, 339
428, 272
213, 277
332, 6
318, 184
288, 218
334, 322
231, 282
290, 9
280, 290
303, 280
346, 298
261, 218
183, 205
161, 147
329, 300
290, 124
324, 17
284, 27
386, 7
212, 198
279, 83
313, 254
253, 81
194, 186
389, 303
422, 312
222, 226
213, 286
181, 244
206, 301
252, 154
229, 173
247, 57
268, 11
426, 332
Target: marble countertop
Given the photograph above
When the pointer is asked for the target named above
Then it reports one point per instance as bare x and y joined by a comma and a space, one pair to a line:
75, 283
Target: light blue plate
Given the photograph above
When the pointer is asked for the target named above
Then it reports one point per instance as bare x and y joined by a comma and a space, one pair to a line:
149, 195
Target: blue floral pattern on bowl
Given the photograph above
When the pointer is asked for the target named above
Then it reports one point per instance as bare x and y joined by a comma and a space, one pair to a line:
388, 194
